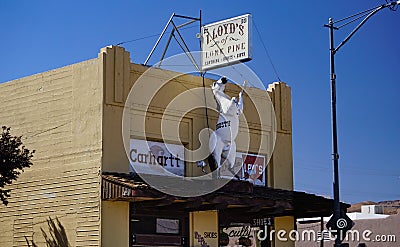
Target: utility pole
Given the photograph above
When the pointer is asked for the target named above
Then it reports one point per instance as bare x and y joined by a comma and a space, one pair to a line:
339, 221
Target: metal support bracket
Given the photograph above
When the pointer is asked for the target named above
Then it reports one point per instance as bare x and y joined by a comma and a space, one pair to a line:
180, 41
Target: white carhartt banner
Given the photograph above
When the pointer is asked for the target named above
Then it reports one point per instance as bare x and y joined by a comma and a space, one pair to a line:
148, 157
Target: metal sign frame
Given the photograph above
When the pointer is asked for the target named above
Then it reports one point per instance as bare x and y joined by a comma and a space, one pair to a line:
229, 42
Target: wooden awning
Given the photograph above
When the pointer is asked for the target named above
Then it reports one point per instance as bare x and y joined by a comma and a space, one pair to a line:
238, 198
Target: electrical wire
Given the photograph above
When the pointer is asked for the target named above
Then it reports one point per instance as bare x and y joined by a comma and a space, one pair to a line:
204, 85
227, 59
355, 19
149, 36
325, 190
364, 13
357, 14
185, 48
321, 166
266, 51
205, 102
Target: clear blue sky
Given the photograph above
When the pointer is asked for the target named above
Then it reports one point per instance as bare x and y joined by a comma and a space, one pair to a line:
37, 36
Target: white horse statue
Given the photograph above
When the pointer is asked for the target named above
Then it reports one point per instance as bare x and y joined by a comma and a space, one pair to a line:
222, 141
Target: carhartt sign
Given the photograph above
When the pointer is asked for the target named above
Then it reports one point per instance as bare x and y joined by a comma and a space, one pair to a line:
149, 157
226, 42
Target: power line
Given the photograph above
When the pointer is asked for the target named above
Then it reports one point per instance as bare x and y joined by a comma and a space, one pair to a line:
358, 173
228, 60
266, 51
149, 36
326, 167
316, 189
326, 190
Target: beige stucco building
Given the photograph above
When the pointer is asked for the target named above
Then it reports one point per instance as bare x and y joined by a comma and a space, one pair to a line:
72, 117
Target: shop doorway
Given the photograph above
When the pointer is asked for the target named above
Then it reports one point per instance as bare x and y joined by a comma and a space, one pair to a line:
153, 228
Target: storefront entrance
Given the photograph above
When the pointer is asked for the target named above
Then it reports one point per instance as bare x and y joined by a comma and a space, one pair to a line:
230, 216
150, 228
157, 228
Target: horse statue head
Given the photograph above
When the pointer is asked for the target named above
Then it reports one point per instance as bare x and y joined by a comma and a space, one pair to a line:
220, 84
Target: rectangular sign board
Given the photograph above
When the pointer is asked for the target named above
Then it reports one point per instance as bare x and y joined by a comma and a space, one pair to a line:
155, 158
253, 168
203, 228
241, 236
226, 42
168, 226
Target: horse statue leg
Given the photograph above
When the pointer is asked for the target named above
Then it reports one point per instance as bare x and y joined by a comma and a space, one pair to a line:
231, 159
216, 147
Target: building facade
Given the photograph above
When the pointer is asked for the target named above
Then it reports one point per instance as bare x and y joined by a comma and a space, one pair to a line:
81, 178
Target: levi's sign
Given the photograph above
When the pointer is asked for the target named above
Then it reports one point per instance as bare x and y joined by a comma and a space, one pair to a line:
226, 42
252, 168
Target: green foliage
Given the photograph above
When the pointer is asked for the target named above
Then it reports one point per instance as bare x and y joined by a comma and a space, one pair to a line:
14, 157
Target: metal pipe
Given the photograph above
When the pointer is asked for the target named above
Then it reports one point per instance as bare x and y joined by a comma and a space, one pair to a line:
187, 17
201, 48
185, 24
159, 38
166, 47
187, 51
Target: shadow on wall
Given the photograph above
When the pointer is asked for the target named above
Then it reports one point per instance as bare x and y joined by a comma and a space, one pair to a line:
57, 238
